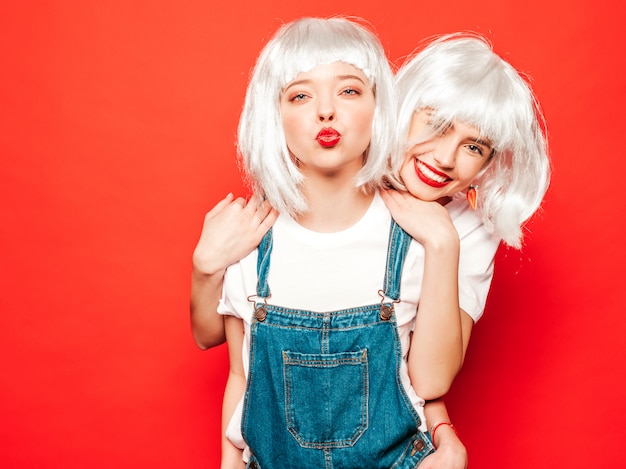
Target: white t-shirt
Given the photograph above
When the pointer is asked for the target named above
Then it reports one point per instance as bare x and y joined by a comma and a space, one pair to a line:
331, 271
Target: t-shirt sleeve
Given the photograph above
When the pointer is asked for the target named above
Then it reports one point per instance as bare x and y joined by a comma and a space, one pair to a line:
239, 284
476, 264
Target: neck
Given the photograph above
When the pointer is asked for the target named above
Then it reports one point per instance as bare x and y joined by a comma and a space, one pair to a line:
333, 206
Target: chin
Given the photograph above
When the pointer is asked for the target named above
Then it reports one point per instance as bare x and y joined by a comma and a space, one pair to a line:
417, 189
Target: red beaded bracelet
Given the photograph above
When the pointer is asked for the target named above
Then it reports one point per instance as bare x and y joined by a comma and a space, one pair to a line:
434, 428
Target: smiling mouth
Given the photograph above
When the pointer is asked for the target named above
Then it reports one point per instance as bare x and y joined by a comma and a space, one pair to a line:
429, 175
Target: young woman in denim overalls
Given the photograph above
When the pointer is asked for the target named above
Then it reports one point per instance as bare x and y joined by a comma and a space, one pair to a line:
318, 332
436, 81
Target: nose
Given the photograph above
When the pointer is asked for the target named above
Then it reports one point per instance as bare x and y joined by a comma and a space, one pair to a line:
445, 153
326, 115
326, 110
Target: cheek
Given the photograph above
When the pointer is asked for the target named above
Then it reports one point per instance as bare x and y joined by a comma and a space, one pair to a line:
364, 117
406, 170
471, 170
361, 126
291, 127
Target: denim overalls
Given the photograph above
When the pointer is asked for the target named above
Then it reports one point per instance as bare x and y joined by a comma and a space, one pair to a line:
324, 388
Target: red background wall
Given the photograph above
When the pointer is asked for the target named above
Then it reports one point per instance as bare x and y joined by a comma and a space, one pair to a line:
117, 124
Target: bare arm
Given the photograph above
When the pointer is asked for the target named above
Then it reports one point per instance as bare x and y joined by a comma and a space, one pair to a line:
450, 454
439, 337
235, 388
231, 230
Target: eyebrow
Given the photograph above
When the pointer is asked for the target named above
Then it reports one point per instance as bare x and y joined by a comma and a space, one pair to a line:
349, 77
480, 141
336, 77
485, 143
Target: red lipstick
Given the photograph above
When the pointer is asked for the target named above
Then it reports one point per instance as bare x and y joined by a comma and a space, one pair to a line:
429, 175
328, 137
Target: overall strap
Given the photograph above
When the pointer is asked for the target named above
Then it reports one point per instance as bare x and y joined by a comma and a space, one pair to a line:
399, 242
263, 265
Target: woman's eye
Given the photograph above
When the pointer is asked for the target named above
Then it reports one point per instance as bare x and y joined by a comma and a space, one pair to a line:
298, 97
351, 92
475, 149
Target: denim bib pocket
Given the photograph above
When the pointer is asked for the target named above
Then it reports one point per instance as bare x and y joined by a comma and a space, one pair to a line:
326, 397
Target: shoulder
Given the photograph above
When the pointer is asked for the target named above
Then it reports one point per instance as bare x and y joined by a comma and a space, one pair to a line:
473, 234
464, 218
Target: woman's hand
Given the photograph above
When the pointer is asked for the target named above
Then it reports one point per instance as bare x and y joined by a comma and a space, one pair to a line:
428, 223
446, 457
450, 453
231, 231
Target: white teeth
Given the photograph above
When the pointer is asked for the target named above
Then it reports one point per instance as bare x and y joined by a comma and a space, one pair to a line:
429, 174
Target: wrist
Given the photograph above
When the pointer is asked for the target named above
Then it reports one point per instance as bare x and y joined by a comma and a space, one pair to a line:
443, 432
443, 242
206, 274
203, 265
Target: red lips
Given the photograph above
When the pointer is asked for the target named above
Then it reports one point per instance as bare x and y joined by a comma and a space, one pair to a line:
429, 175
328, 137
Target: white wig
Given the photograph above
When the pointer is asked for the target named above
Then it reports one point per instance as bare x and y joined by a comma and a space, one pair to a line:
298, 47
460, 77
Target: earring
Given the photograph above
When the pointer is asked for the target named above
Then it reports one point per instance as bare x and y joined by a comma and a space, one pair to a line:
472, 196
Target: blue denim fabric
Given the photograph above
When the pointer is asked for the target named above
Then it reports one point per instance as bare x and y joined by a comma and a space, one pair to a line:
324, 389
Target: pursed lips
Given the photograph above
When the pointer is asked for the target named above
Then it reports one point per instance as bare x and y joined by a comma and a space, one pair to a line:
328, 137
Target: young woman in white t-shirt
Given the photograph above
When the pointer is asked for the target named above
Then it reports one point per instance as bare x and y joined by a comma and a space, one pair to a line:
471, 135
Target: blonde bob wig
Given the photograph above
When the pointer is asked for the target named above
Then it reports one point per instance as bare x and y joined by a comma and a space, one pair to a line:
298, 47
459, 77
